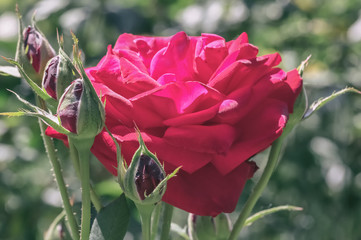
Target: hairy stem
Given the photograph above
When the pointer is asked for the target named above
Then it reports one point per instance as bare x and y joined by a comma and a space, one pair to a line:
50, 149
54, 161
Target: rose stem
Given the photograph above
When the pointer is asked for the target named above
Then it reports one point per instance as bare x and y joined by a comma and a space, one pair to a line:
83, 148
75, 160
50, 149
257, 191
155, 220
145, 212
167, 219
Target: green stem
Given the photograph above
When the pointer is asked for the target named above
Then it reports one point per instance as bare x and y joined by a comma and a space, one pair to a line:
145, 212
155, 220
83, 148
52, 228
50, 149
262, 183
167, 219
75, 160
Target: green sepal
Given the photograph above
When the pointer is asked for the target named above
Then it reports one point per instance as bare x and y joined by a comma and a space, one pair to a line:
299, 109
266, 212
122, 164
315, 106
301, 104
52, 103
128, 181
67, 73
303, 65
93, 123
48, 118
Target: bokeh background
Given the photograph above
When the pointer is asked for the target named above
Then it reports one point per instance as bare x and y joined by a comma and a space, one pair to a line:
321, 166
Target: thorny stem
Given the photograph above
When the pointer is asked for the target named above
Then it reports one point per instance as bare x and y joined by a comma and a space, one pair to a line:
50, 149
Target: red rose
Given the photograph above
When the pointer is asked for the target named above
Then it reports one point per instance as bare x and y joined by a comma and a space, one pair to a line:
201, 103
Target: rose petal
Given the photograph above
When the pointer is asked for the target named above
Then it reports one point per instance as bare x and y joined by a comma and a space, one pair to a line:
176, 58
207, 192
177, 97
256, 132
189, 160
216, 139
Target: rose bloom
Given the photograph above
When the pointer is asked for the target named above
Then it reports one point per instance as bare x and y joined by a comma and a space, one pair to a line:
201, 103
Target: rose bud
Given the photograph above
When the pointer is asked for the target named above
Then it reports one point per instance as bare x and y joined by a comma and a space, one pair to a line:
148, 176
208, 228
145, 180
33, 52
58, 75
80, 110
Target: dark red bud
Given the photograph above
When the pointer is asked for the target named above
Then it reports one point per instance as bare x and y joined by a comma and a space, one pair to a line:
69, 106
32, 45
148, 176
50, 77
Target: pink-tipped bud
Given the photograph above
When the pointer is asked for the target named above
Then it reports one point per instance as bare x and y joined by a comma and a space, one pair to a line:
50, 76
58, 75
68, 110
81, 111
33, 52
32, 44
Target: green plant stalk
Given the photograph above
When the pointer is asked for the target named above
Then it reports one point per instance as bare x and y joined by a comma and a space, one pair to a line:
155, 220
83, 148
51, 229
75, 160
50, 149
145, 212
257, 191
167, 220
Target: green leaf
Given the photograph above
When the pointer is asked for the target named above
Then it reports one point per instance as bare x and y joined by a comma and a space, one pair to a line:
112, 221
266, 212
9, 71
322, 101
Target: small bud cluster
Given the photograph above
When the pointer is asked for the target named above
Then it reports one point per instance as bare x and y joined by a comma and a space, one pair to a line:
79, 109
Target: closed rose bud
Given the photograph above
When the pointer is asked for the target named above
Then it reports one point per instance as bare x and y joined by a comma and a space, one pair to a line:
209, 228
145, 181
80, 110
68, 109
148, 176
32, 45
58, 75
33, 51
50, 76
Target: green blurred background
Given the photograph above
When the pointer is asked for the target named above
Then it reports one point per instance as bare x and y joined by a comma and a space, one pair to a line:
321, 167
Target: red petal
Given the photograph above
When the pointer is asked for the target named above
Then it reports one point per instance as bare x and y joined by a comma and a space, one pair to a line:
207, 192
